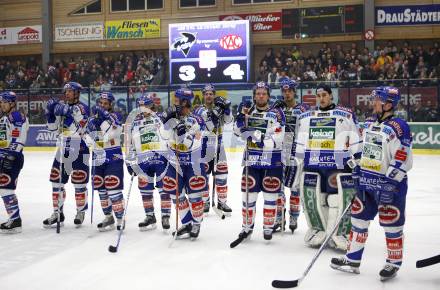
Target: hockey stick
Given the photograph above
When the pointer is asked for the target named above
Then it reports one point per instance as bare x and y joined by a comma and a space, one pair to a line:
177, 189
60, 194
214, 168
93, 188
428, 262
240, 239
295, 283
111, 248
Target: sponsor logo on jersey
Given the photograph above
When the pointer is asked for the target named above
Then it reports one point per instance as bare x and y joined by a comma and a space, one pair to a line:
4, 179
371, 151
396, 127
322, 122
222, 168
322, 133
250, 182
197, 182
98, 181
112, 181
79, 176
388, 214
370, 164
54, 174
373, 138
271, 184
169, 183
322, 144
401, 155
149, 137
142, 181
231, 42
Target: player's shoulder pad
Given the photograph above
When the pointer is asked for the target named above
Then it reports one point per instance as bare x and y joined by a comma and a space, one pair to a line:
117, 116
401, 128
80, 108
344, 112
196, 118
17, 118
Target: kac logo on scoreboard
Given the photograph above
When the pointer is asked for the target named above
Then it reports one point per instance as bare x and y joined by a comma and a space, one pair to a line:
231, 42
209, 52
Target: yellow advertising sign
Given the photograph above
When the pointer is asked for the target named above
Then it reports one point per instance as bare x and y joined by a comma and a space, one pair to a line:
132, 29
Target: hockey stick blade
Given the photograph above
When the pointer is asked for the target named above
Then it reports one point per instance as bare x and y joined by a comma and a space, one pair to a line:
236, 243
285, 284
428, 262
112, 249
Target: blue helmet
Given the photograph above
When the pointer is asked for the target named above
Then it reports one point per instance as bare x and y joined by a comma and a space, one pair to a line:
144, 100
8, 97
184, 94
387, 94
288, 84
208, 87
73, 86
107, 96
261, 85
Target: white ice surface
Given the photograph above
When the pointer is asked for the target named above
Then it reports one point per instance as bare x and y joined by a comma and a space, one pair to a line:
79, 259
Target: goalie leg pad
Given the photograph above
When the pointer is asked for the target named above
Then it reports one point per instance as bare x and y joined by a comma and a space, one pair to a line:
313, 210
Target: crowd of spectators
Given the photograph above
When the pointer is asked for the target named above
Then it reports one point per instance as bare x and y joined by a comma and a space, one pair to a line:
99, 72
355, 64
336, 64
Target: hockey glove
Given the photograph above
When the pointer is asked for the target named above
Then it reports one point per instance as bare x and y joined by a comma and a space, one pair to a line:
181, 128
101, 113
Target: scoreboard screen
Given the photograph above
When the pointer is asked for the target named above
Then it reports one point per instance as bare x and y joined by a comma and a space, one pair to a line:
209, 52
323, 20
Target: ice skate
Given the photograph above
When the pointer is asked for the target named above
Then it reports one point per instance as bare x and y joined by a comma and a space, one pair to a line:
11, 226
79, 218
149, 223
165, 222
195, 230
52, 220
224, 208
107, 224
183, 232
293, 224
342, 264
389, 271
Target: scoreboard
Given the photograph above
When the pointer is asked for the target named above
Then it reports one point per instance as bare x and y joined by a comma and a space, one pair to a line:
317, 21
209, 52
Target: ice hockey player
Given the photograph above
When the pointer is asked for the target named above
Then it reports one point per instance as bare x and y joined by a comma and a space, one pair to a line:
103, 132
327, 138
147, 158
215, 112
262, 127
383, 184
291, 110
185, 131
13, 131
69, 119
